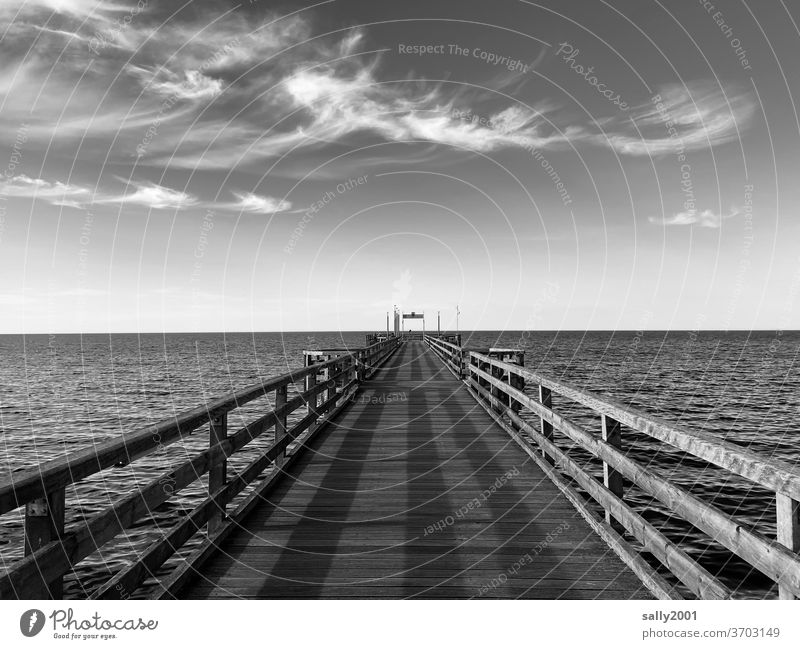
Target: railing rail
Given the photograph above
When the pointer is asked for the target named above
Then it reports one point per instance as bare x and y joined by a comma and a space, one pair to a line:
452, 355
500, 386
53, 551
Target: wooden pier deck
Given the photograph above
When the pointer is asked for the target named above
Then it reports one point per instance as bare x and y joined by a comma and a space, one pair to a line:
415, 469
414, 491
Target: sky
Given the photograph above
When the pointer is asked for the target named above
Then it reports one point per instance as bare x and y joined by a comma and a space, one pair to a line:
263, 166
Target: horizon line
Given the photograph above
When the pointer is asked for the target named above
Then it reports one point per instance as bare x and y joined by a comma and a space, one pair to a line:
361, 331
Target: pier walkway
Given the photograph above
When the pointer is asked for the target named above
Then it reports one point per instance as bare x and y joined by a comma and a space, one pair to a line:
414, 491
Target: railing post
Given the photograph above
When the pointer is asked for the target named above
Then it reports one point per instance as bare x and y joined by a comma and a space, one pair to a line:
311, 400
218, 472
517, 382
281, 397
44, 522
612, 433
788, 514
545, 427
333, 369
485, 367
501, 395
473, 362
361, 370
340, 367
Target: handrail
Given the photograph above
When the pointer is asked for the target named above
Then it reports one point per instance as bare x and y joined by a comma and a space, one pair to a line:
61, 472
452, 355
499, 385
52, 551
773, 474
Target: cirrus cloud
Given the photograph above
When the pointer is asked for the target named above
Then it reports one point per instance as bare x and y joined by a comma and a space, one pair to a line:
57, 193
702, 218
153, 196
145, 194
249, 202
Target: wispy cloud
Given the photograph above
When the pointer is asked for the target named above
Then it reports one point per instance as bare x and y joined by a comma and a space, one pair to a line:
702, 114
332, 101
193, 85
57, 193
702, 218
257, 93
145, 194
153, 196
77, 8
249, 202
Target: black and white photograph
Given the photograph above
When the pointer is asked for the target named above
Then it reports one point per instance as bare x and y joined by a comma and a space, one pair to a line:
309, 307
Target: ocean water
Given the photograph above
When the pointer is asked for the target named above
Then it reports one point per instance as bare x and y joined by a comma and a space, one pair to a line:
60, 393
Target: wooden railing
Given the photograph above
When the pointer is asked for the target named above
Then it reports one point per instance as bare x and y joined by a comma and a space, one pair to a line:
453, 356
500, 386
456, 358
53, 551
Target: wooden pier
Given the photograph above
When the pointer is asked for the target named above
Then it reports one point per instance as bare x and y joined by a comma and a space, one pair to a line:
414, 491
407, 468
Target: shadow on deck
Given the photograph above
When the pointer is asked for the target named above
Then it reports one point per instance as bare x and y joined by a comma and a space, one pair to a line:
413, 491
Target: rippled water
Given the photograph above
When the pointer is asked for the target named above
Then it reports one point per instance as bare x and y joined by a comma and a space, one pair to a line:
61, 393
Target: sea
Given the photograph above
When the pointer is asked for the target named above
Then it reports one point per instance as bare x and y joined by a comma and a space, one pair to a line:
62, 393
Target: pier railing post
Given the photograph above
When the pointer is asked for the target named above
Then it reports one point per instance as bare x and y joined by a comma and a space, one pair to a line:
470, 363
517, 382
612, 433
330, 386
333, 381
483, 366
281, 397
497, 392
44, 522
512, 357
545, 427
788, 514
359, 361
217, 473
311, 399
